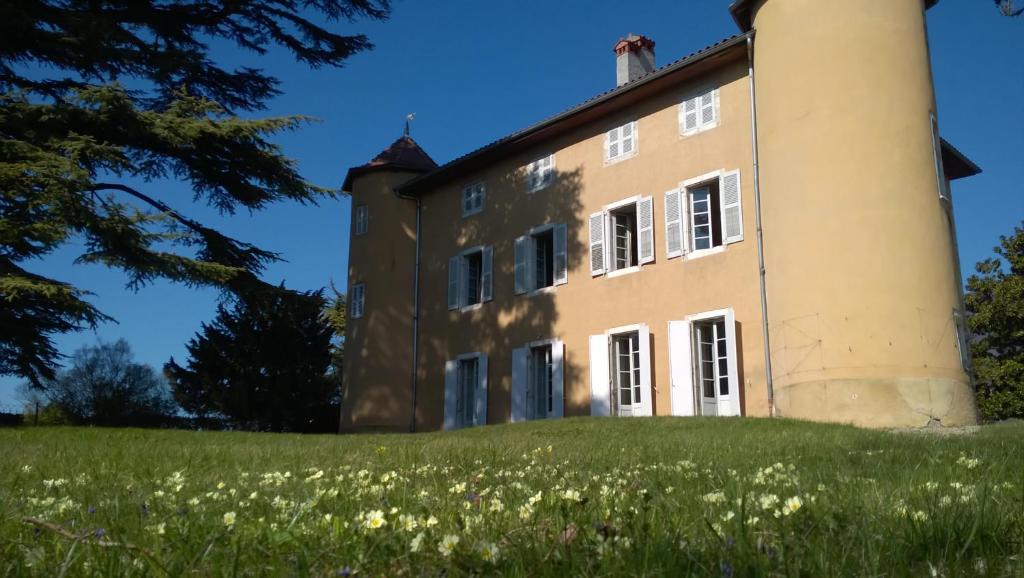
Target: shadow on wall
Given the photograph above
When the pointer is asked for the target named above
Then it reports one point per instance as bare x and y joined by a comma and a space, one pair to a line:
508, 321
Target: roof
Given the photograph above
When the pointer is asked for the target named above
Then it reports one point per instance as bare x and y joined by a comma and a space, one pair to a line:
403, 154
614, 99
740, 10
955, 164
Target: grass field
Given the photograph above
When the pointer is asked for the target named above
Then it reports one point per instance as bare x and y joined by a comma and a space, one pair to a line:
596, 497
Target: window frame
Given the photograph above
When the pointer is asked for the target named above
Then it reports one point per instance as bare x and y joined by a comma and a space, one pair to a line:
484, 281
701, 125
530, 288
357, 301
609, 239
362, 220
547, 178
945, 192
478, 187
634, 135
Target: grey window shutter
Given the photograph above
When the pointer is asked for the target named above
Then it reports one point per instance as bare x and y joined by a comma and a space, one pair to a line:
645, 229
561, 255
480, 411
673, 225
628, 132
732, 214
600, 376
707, 108
689, 114
487, 273
519, 383
557, 379
521, 264
597, 244
450, 393
453, 282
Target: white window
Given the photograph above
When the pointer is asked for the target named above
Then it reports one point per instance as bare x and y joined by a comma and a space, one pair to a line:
699, 113
703, 214
940, 171
465, 391
358, 301
470, 277
620, 143
622, 236
540, 173
473, 199
362, 219
540, 259
538, 380
703, 365
620, 372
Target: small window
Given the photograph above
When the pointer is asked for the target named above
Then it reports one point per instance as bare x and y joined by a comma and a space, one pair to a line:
358, 300
540, 173
620, 142
540, 394
362, 219
940, 171
624, 235
540, 259
699, 113
627, 229
705, 230
962, 342
469, 277
473, 199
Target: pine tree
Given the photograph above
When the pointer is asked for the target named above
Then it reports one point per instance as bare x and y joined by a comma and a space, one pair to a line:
262, 364
95, 95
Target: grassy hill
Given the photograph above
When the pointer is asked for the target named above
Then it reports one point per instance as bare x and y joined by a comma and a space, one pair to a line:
596, 497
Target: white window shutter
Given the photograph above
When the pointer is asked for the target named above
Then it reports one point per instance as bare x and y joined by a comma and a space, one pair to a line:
628, 132
487, 273
453, 282
480, 399
689, 115
611, 144
519, 383
451, 392
645, 229
597, 257
522, 264
732, 214
734, 380
673, 225
680, 365
561, 255
549, 176
646, 391
707, 108
557, 379
600, 384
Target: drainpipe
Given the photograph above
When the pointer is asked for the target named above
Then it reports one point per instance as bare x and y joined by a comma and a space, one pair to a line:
415, 311
760, 234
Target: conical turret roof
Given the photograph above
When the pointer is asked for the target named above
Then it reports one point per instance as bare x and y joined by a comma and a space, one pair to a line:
403, 154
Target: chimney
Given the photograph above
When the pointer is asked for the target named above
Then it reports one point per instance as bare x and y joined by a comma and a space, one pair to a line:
634, 57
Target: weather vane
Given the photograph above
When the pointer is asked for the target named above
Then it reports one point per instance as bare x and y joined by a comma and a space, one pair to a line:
409, 118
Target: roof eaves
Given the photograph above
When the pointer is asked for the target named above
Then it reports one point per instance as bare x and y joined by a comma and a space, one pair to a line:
677, 65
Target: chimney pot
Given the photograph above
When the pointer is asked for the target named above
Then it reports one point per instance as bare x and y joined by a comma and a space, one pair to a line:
634, 57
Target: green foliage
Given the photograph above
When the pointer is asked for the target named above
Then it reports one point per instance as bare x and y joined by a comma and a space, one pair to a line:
98, 96
570, 497
995, 307
336, 314
103, 386
263, 364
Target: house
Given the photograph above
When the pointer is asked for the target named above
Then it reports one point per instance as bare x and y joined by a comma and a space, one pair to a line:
763, 227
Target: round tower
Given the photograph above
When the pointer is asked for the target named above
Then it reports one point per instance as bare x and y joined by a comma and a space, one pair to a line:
860, 259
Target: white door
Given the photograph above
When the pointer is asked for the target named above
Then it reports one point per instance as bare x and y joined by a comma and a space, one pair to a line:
713, 367
681, 367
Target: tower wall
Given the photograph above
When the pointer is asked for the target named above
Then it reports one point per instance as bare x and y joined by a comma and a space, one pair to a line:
861, 280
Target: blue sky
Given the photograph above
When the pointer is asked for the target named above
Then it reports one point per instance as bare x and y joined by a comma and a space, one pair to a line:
475, 71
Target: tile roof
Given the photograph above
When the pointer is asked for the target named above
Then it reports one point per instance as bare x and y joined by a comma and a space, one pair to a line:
403, 154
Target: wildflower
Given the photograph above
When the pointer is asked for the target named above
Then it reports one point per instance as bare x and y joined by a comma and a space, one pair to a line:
536, 497
669, 490
417, 543
969, 463
229, 519
572, 496
497, 505
489, 552
919, 516
430, 522
945, 501
407, 522
525, 511
728, 516
448, 544
768, 501
220, 485
792, 505
374, 520
714, 498
26, 469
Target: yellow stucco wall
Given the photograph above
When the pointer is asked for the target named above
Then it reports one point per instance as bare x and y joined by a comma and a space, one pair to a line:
859, 254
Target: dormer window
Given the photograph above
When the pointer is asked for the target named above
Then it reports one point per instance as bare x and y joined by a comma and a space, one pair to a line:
540, 173
473, 199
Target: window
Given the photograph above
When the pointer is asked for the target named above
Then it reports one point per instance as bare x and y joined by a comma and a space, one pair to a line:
473, 199
620, 372
940, 172
626, 228
465, 391
540, 173
699, 113
703, 365
537, 381
362, 219
620, 142
540, 259
703, 214
469, 278
962, 343
358, 300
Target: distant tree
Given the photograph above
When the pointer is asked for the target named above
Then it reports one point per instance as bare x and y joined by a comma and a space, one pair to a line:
336, 314
262, 364
995, 309
104, 386
101, 100
1008, 9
